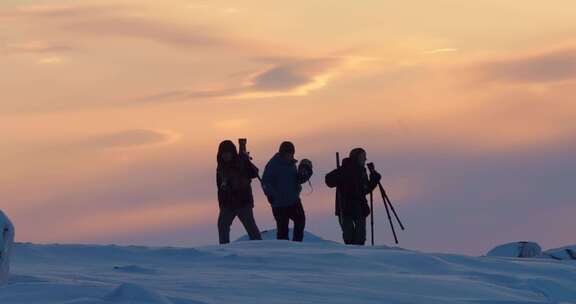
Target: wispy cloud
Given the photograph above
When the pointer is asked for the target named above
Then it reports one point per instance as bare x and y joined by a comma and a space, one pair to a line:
149, 29
297, 77
213, 9
51, 60
288, 77
126, 139
59, 11
120, 21
37, 47
545, 67
231, 123
441, 51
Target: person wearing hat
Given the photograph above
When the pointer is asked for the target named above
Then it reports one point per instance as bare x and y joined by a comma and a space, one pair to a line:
234, 176
282, 182
353, 184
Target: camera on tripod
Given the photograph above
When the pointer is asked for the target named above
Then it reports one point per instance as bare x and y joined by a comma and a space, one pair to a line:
370, 167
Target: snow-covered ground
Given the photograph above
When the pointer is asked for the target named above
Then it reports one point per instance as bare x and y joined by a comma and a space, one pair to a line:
6, 241
278, 272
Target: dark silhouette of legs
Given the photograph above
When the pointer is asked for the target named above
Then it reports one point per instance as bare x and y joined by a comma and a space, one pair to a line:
354, 230
283, 215
282, 219
246, 216
360, 231
348, 230
299, 217
225, 219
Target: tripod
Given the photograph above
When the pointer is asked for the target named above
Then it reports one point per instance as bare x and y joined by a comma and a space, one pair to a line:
372, 217
387, 204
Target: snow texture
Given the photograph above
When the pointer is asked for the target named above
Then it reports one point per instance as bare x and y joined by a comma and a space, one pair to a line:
6, 241
273, 271
132, 293
516, 250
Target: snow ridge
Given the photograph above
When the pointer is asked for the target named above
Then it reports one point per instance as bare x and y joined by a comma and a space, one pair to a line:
279, 272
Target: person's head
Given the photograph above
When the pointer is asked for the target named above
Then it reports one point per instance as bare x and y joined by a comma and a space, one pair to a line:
226, 151
358, 156
287, 150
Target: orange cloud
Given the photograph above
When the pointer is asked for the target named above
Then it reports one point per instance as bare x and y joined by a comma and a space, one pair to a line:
59, 11
128, 139
543, 67
291, 77
119, 21
441, 51
37, 47
51, 60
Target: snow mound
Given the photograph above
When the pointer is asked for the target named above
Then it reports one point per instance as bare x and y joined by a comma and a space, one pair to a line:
563, 253
516, 250
6, 241
269, 235
131, 293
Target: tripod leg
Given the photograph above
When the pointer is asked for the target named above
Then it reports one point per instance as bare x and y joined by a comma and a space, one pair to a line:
372, 216
387, 199
388, 213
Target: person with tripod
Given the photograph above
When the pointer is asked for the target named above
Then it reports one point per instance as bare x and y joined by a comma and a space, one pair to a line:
282, 182
234, 176
352, 185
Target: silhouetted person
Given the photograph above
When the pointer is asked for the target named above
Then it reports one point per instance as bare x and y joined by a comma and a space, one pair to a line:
352, 185
234, 176
282, 182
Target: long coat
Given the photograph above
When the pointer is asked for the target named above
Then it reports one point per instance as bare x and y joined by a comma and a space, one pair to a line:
283, 181
352, 185
234, 181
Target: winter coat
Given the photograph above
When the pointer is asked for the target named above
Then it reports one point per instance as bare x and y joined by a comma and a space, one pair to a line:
283, 182
352, 185
234, 181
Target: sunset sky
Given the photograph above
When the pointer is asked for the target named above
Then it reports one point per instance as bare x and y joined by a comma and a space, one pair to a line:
111, 113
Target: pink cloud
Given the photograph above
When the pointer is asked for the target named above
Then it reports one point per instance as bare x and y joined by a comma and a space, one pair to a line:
120, 21
294, 77
37, 47
544, 67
